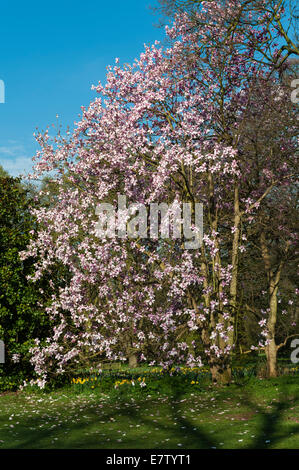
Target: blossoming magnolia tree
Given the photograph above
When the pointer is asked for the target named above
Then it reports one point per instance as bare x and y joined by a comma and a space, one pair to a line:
168, 128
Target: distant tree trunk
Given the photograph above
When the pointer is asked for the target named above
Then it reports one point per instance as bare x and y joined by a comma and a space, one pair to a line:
271, 354
132, 361
271, 348
273, 281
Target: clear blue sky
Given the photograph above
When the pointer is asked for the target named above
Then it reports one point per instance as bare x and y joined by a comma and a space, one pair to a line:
51, 54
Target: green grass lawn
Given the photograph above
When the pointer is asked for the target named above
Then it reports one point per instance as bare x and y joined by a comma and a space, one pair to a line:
261, 414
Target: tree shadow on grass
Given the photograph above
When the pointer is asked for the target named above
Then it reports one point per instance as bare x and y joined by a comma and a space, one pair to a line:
273, 424
270, 424
178, 430
272, 427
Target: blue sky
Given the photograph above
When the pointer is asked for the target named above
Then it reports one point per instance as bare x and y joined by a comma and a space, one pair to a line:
52, 53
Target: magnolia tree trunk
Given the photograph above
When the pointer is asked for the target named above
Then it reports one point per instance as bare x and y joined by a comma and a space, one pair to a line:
235, 261
220, 367
221, 373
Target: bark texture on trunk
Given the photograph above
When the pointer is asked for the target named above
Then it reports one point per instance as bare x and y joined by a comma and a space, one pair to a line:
221, 374
273, 282
132, 361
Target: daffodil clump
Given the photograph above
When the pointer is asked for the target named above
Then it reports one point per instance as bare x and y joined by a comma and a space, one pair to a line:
119, 383
91, 381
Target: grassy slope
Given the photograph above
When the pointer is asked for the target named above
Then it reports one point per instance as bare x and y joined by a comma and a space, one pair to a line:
262, 414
